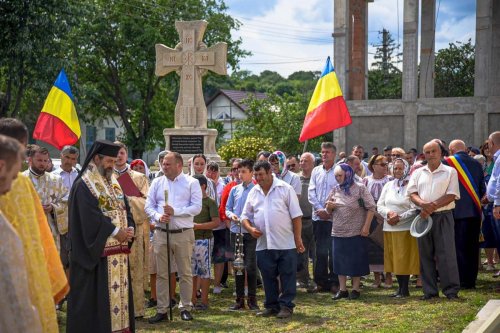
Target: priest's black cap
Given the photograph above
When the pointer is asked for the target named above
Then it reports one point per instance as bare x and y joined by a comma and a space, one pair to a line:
100, 147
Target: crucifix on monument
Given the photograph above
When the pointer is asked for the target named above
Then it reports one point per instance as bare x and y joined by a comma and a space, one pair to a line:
191, 59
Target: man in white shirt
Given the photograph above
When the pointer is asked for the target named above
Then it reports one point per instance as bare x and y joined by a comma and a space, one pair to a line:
322, 182
434, 188
184, 200
272, 215
68, 173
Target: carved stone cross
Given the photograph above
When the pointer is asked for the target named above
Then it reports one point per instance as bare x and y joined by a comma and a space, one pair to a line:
191, 59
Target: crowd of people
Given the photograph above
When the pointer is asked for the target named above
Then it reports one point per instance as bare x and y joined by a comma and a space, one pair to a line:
121, 230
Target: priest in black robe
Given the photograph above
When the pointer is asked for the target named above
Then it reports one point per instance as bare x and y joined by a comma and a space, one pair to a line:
101, 230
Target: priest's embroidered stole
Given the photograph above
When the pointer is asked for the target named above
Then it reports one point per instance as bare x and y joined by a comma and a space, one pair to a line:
112, 204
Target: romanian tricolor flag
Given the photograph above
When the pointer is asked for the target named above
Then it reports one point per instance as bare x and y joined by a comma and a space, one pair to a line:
58, 123
327, 109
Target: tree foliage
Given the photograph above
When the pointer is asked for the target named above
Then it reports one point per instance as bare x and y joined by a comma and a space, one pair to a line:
114, 45
385, 78
31, 53
279, 118
455, 70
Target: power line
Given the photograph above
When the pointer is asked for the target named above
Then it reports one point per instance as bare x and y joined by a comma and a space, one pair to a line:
279, 62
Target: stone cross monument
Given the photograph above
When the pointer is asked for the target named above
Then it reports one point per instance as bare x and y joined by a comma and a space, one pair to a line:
191, 59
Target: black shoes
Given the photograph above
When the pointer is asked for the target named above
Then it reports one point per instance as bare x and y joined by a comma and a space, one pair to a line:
186, 315
354, 294
341, 294
452, 296
268, 312
151, 303
252, 303
285, 312
158, 317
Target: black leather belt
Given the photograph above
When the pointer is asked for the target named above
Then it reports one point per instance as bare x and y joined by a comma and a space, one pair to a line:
442, 212
175, 231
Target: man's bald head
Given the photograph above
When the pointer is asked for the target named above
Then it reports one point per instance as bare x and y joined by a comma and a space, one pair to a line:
494, 142
495, 137
456, 146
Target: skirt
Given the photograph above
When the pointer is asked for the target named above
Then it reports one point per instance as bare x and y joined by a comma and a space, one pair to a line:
401, 253
375, 249
350, 256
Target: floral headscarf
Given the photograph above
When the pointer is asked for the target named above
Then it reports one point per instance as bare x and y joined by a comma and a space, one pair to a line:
280, 156
401, 181
349, 177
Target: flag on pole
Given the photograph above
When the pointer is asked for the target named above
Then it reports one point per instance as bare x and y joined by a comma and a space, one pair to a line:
327, 110
58, 122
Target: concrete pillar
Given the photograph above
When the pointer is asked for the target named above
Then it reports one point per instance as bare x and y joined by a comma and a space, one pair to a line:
483, 47
358, 47
340, 43
495, 50
410, 51
427, 35
341, 58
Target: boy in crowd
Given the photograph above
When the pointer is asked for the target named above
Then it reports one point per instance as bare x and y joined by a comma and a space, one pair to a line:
204, 222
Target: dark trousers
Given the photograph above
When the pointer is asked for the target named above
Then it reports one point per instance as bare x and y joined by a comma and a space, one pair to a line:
467, 247
282, 264
249, 257
439, 245
303, 258
323, 266
495, 224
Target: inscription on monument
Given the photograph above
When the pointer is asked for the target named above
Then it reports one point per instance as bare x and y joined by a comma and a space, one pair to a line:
187, 144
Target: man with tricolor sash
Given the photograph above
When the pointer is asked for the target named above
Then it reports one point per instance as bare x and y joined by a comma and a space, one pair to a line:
467, 213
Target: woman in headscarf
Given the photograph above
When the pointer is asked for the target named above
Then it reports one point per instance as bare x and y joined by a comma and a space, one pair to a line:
140, 166
278, 166
352, 208
378, 165
400, 248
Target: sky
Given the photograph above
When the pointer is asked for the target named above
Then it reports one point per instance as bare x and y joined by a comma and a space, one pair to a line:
292, 35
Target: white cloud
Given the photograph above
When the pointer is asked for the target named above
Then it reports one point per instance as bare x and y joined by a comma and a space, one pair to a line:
295, 35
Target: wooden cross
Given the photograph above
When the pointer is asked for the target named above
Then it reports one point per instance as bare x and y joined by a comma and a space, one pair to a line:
191, 59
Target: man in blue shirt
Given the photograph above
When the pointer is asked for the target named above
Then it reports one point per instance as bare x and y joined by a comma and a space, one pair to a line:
493, 189
234, 208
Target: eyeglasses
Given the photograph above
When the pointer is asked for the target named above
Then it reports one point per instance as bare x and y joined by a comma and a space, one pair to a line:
292, 165
396, 155
234, 169
381, 164
275, 163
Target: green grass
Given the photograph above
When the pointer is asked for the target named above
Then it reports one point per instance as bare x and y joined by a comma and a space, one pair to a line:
374, 311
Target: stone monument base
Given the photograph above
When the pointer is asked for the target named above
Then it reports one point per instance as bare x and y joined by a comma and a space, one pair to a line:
191, 141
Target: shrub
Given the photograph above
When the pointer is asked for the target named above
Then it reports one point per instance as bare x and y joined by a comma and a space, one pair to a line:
246, 147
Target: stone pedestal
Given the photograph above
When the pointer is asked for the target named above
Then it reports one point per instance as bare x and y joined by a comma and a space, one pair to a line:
191, 141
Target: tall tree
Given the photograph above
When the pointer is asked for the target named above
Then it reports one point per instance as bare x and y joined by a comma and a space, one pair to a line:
114, 58
455, 70
31, 52
384, 79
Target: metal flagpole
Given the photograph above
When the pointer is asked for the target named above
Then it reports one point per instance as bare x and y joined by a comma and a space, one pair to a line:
168, 259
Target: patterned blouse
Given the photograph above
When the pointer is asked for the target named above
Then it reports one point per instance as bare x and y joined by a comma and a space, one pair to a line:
375, 186
349, 218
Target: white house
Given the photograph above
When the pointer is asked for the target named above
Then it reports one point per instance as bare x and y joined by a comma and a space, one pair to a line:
226, 106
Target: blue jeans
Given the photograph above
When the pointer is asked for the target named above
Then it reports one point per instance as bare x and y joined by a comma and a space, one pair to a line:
283, 264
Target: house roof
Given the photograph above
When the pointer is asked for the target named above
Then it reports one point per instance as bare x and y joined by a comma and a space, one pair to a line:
236, 96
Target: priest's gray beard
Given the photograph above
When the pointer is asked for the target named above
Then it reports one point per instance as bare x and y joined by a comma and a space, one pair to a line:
105, 172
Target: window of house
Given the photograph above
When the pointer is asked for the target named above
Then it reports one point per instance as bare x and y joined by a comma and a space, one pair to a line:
90, 136
110, 133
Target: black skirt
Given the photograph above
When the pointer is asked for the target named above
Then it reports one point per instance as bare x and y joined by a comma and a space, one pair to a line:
350, 256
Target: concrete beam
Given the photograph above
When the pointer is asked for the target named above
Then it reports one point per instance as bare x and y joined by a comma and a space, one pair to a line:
410, 50
427, 48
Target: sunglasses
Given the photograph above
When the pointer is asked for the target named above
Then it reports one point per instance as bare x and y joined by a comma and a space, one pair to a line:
396, 155
293, 165
381, 164
234, 169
